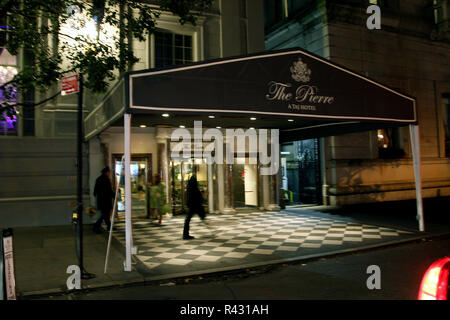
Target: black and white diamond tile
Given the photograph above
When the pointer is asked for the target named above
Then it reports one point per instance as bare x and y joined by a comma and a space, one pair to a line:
246, 237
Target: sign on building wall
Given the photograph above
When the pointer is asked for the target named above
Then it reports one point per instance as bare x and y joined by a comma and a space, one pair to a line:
8, 254
69, 85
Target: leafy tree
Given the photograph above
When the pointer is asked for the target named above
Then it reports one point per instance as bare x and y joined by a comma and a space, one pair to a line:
59, 36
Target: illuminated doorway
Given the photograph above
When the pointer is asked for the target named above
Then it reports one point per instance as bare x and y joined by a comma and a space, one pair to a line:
141, 177
245, 184
300, 172
181, 172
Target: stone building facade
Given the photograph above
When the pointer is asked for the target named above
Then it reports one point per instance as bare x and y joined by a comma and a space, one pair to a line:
411, 53
38, 157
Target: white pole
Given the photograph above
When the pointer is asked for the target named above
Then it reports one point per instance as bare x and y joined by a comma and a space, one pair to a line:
113, 217
415, 148
128, 231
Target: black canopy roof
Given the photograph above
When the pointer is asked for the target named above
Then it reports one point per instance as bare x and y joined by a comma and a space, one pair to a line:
320, 98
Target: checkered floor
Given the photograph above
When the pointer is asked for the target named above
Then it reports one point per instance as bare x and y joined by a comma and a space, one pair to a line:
246, 237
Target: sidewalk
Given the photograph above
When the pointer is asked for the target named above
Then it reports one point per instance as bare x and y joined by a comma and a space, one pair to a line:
43, 254
342, 278
248, 239
238, 241
399, 214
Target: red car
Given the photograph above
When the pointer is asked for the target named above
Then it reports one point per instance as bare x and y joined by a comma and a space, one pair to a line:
435, 284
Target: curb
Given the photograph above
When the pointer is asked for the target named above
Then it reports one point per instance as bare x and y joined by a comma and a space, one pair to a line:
228, 270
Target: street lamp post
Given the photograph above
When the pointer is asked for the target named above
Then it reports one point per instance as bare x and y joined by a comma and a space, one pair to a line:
79, 226
83, 27
80, 175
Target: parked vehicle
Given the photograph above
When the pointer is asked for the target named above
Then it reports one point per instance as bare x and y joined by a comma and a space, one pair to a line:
435, 282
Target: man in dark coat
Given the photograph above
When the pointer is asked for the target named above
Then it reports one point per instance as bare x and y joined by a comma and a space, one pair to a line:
105, 195
194, 201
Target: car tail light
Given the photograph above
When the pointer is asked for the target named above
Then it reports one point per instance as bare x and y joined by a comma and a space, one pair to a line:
434, 284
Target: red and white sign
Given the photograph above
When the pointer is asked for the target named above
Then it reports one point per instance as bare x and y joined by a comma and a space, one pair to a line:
70, 85
10, 278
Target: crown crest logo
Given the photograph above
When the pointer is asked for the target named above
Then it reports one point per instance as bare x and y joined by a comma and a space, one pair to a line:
300, 71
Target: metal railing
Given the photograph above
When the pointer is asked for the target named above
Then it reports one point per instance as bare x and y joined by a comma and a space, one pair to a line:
106, 112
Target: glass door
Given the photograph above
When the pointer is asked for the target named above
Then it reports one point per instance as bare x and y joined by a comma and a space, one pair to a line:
140, 169
177, 190
182, 170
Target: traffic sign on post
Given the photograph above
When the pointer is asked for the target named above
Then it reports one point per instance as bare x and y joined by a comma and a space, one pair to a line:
2, 270
9, 271
70, 85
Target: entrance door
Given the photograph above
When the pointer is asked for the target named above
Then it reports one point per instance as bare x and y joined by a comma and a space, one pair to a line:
290, 174
301, 176
141, 175
309, 171
182, 170
245, 182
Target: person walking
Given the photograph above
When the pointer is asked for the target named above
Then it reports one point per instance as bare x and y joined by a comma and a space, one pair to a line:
158, 199
194, 201
105, 196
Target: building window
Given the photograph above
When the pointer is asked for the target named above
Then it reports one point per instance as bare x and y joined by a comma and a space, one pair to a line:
172, 49
446, 103
278, 10
389, 143
8, 69
274, 12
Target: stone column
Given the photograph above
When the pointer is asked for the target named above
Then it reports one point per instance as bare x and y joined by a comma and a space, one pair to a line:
265, 199
274, 182
228, 188
105, 141
96, 164
163, 158
220, 187
260, 190
210, 189
274, 192
323, 170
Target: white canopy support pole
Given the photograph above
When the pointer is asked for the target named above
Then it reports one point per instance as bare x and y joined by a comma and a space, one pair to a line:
127, 156
113, 217
415, 148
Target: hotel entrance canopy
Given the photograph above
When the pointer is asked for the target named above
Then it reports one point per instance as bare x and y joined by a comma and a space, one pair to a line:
297, 92
321, 97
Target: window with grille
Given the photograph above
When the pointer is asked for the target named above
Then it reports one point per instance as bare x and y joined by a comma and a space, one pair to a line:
172, 49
